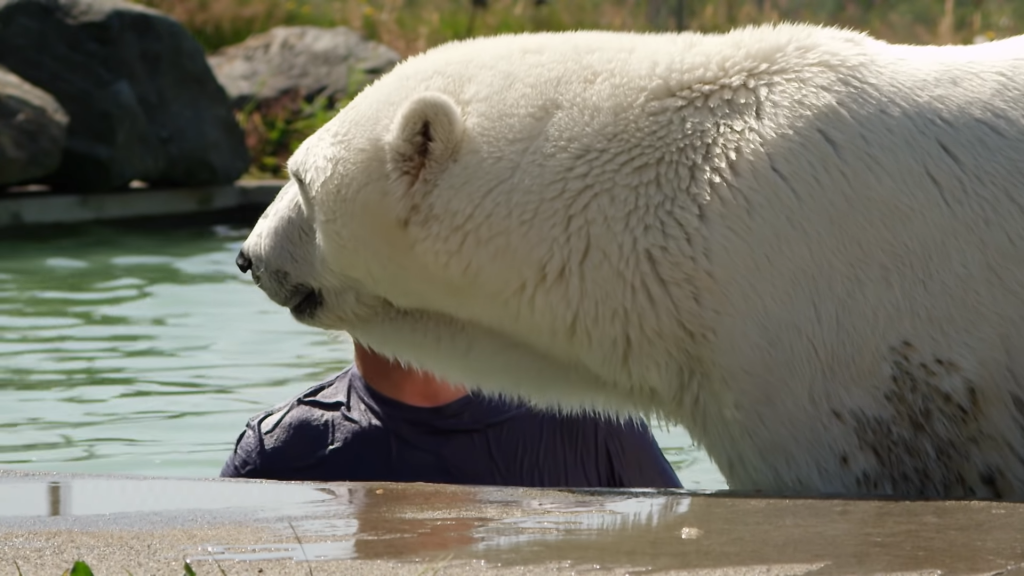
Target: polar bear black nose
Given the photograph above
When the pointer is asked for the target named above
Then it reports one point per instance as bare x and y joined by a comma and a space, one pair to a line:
243, 262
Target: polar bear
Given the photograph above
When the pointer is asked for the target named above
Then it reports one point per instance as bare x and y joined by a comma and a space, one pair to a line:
803, 244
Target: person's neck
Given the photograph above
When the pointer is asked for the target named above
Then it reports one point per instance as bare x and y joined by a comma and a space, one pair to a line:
405, 385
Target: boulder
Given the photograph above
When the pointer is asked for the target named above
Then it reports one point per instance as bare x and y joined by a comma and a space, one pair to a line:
142, 101
306, 61
32, 130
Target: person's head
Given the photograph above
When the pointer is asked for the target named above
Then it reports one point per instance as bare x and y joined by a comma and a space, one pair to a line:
403, 383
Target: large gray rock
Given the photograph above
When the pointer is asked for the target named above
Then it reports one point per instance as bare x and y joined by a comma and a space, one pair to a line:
32, 130
305, 61
143, 102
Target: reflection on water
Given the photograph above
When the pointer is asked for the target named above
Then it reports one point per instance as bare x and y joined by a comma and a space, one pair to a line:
144, 351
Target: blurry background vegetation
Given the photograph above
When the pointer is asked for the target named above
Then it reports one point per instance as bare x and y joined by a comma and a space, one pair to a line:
411, 26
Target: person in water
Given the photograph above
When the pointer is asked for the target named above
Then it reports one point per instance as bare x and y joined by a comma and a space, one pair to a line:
380, 421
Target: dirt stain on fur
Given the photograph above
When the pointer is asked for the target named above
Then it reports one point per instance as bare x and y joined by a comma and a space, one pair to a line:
931, 441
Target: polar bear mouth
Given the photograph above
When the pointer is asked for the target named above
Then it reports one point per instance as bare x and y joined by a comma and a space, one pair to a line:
306, 302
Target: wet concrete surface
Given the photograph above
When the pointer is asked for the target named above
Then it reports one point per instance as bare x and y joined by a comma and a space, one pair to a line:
150, 526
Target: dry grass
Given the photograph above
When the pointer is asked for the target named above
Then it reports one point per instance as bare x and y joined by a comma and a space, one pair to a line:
274, 130
410, 26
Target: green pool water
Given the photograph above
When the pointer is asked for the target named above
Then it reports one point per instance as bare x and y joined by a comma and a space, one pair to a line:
143, 350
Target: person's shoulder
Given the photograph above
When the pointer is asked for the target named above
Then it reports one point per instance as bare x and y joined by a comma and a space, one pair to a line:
638, 458
605, 450
294, 431
634, 456
307, 413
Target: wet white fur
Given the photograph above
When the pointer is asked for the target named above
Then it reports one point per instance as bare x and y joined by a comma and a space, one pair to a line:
730, 231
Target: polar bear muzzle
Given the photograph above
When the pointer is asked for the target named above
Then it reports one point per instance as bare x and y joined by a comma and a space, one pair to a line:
279, 255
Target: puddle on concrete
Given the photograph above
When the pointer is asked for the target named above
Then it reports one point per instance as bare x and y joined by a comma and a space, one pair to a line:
248, 524
642, 530
373, 531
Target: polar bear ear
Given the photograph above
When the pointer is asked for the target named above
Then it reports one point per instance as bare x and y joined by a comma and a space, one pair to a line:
423, 141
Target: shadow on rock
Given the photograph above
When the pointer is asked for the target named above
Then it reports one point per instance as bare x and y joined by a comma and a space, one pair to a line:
142, 100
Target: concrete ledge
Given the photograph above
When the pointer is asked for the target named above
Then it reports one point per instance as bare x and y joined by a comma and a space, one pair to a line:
33, 208
150, 525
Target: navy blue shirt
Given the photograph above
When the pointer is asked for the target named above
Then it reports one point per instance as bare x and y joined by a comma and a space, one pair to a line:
344, 430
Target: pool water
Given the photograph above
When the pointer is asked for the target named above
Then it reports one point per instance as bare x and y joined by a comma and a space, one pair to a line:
143, 350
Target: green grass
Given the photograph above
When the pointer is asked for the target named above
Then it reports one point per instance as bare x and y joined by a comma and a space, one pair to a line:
274, 131
411, 26
80, 568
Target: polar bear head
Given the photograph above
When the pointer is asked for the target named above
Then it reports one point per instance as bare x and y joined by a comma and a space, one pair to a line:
521, 213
